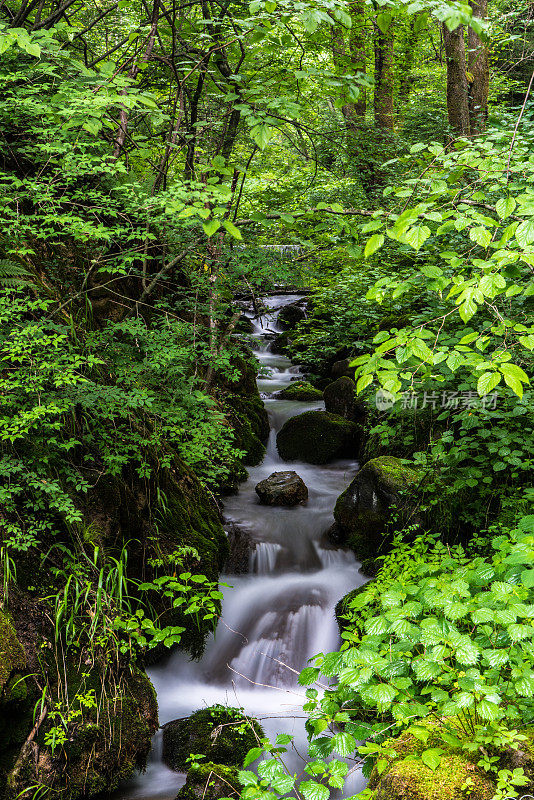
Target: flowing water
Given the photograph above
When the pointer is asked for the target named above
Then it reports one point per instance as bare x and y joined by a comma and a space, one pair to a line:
281, 613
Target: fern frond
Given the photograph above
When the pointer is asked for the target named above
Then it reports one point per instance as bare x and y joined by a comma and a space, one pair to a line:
13, 274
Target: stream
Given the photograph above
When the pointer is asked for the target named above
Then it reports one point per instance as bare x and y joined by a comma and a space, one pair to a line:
279, 614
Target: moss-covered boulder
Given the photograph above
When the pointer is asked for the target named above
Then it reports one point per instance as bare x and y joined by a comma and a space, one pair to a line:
340, 398
106, 745
220, 733
363, 510
210, 781
407, 777
300, 390
318, 437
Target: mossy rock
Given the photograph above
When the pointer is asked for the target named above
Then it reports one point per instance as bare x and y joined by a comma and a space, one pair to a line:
406, 777
103, 750
12, 656
221, 733
363, 510
301, 390
210, 781
340, 397
318, 437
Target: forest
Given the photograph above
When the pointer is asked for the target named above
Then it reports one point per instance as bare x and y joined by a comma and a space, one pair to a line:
266, 422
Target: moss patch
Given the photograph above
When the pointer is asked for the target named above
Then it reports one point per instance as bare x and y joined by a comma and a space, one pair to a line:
210, 782
12, 657
302, 391
222, 734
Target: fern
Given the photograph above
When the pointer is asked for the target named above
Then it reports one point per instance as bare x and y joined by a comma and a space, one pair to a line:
13, 274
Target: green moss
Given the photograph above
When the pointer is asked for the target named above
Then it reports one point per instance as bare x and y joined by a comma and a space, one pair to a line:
222, 734
406, 777
343, 606
12, 657
105, 746
392, 474
317, 437
302, 391
210, 781
363, 510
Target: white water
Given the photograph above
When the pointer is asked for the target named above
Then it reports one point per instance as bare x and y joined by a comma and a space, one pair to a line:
278, 616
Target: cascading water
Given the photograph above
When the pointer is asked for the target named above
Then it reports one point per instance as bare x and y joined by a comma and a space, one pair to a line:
280, 614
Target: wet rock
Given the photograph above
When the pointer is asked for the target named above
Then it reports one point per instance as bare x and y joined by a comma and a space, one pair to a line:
363, 510
282, 489
220, 733
210, 782
318, 437
340, 398
292, 314
300, 390
241, 548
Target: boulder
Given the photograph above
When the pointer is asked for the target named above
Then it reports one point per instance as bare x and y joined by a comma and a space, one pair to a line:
341, 368
362, 511
302, 391
318, 437
407, 777
282, 489
340, 398
292, 314
209, 781
220, 733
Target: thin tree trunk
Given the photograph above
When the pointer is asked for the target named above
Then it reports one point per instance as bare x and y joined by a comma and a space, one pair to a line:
457, 88
358, 54
384, 79
409, 50
478, 62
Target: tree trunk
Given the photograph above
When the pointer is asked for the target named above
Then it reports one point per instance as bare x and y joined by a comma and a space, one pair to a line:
358, 55
478, 61
409, 49
457, 88
384, 79
351, 60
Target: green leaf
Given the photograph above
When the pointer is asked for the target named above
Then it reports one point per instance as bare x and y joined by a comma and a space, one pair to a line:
252, 755
514, 371
231, 228
505, 207
525, 233
373, 244
417, 236
431, 271
487, 382
314, 791
384, 21
364, 381
432, 757
467, 310
344, 743
211, 227
308, 675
